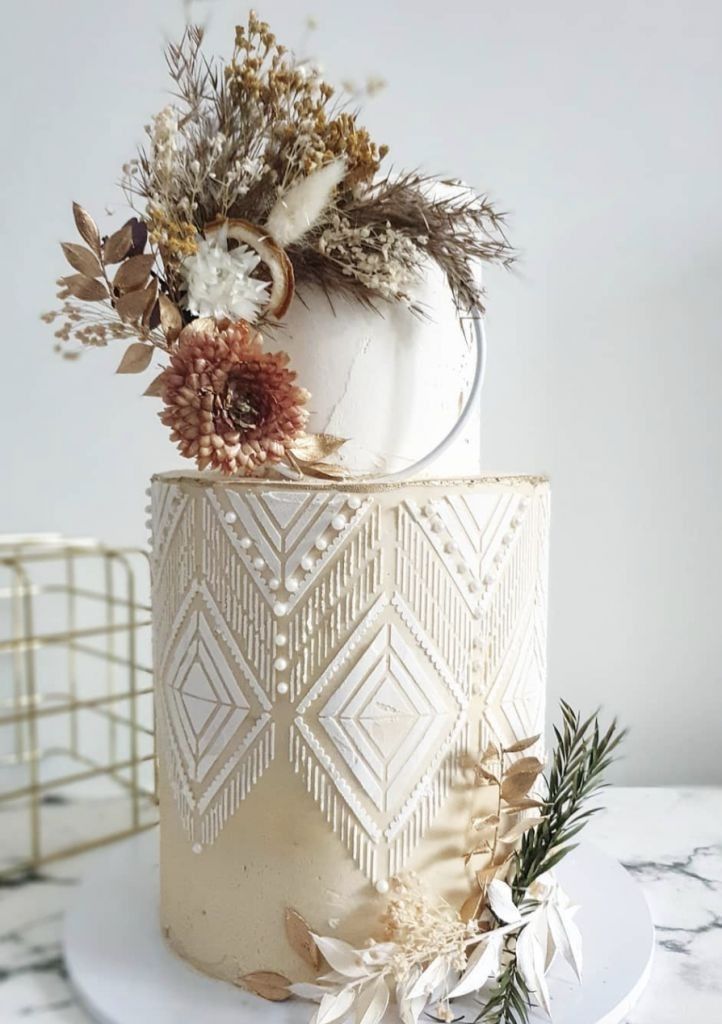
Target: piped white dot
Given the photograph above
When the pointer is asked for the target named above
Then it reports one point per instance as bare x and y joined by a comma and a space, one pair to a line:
280, 664
246, 543
273, 583
282, 688
450, 548
281, 640
197, 848
382, 887
321, 544
292, 585
338, 522
307, 563
354, 502
280, 608
258, 563
230, 518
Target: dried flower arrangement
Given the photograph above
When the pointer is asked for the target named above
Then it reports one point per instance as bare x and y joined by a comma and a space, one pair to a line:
255, 182
495, 950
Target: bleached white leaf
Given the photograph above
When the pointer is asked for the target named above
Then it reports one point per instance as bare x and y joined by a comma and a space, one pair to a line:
430, 978
334, 1006
501, 902
296, 211
372, 1002
482, 965
341, 956
566, 936
307, 990
379, 953
410, 1009
531, 963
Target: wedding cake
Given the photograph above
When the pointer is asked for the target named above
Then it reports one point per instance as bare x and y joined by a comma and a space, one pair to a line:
325, 655
349, 619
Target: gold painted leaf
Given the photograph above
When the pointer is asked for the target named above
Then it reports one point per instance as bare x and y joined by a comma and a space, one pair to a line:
485, 820
487, 874
87, 228
525, 766
470, 907
516, 787
300, 938
316, 447
151, 303
136, 359
81, 259
516, 748
492, 753
522, 805
171, 320
482, 775
132, 306
118, 245
267, 984
87, 288
520, 827
155, 389
133, 273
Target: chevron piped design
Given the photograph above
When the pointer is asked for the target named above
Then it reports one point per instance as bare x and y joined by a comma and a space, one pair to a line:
366, 636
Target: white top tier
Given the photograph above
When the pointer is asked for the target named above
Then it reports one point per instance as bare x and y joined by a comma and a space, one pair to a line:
391, 381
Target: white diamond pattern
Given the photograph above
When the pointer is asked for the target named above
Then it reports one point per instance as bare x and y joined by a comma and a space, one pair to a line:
386, 718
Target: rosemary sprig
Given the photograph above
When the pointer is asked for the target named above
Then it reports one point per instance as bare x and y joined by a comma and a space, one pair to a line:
581, 756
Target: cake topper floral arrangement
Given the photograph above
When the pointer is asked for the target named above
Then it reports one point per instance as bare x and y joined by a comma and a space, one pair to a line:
256, 184
485, 961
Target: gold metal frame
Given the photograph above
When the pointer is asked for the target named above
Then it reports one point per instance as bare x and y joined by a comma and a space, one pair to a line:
79, 598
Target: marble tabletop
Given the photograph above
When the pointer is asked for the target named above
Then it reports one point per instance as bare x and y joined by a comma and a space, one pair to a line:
669, 839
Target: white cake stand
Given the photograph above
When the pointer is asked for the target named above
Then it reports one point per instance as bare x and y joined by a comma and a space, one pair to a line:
125, 974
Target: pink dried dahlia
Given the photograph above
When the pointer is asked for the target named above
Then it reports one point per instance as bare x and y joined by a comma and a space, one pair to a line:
229, 404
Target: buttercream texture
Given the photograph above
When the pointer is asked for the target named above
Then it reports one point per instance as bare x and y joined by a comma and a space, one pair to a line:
325, 658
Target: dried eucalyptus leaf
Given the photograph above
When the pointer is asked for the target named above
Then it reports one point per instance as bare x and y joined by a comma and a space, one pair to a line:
87, 288
137, 358
118, 245
267, 984
132, 306
516, 748
81, 259
155, 388
87, 228
171, 321
300, 938
133, 273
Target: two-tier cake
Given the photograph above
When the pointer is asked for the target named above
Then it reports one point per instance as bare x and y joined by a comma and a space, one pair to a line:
349, 620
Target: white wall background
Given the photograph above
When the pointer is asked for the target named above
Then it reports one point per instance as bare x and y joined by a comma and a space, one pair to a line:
598, 127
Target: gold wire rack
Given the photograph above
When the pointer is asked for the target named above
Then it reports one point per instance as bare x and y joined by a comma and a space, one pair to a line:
77, 759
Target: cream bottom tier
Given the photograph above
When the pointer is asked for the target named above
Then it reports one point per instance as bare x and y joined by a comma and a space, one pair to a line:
325, 657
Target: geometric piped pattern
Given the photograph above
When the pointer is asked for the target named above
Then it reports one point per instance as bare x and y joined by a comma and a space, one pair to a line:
366, 635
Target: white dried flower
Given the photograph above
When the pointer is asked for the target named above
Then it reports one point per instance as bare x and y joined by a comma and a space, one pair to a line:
221, 283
